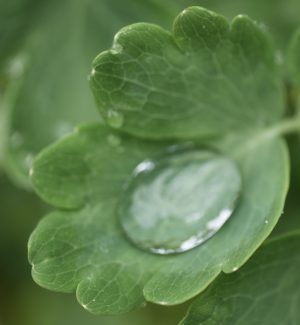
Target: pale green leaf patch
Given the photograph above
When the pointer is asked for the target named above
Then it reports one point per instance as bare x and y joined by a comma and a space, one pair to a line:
85, 174
209, 77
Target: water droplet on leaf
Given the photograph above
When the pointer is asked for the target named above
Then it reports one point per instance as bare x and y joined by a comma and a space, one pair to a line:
28, 160
114, 140
117, 48
115, 119
177, 201
93, 72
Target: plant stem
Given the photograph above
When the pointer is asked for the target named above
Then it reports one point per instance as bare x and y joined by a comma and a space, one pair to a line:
286, 126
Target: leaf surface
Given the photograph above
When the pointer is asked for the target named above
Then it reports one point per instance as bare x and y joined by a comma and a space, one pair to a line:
264, 291
82, 246
206, 79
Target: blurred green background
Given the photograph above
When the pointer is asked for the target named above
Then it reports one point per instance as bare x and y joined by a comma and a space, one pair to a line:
38, 29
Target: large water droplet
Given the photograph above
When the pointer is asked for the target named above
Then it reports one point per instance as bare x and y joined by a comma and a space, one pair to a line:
175, 202
115, 119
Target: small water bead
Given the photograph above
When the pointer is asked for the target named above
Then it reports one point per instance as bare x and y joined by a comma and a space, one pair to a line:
176, 202
115, 119
114, 140
93, 72
29, 160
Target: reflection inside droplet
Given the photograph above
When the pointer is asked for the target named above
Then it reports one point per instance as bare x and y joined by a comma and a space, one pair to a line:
145, 166
177, 201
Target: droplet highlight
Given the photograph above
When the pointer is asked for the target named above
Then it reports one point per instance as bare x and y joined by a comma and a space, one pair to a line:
178, 200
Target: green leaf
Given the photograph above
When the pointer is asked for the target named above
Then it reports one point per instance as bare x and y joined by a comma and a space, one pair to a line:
208, 78
82, 246
264, 291
54, 62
